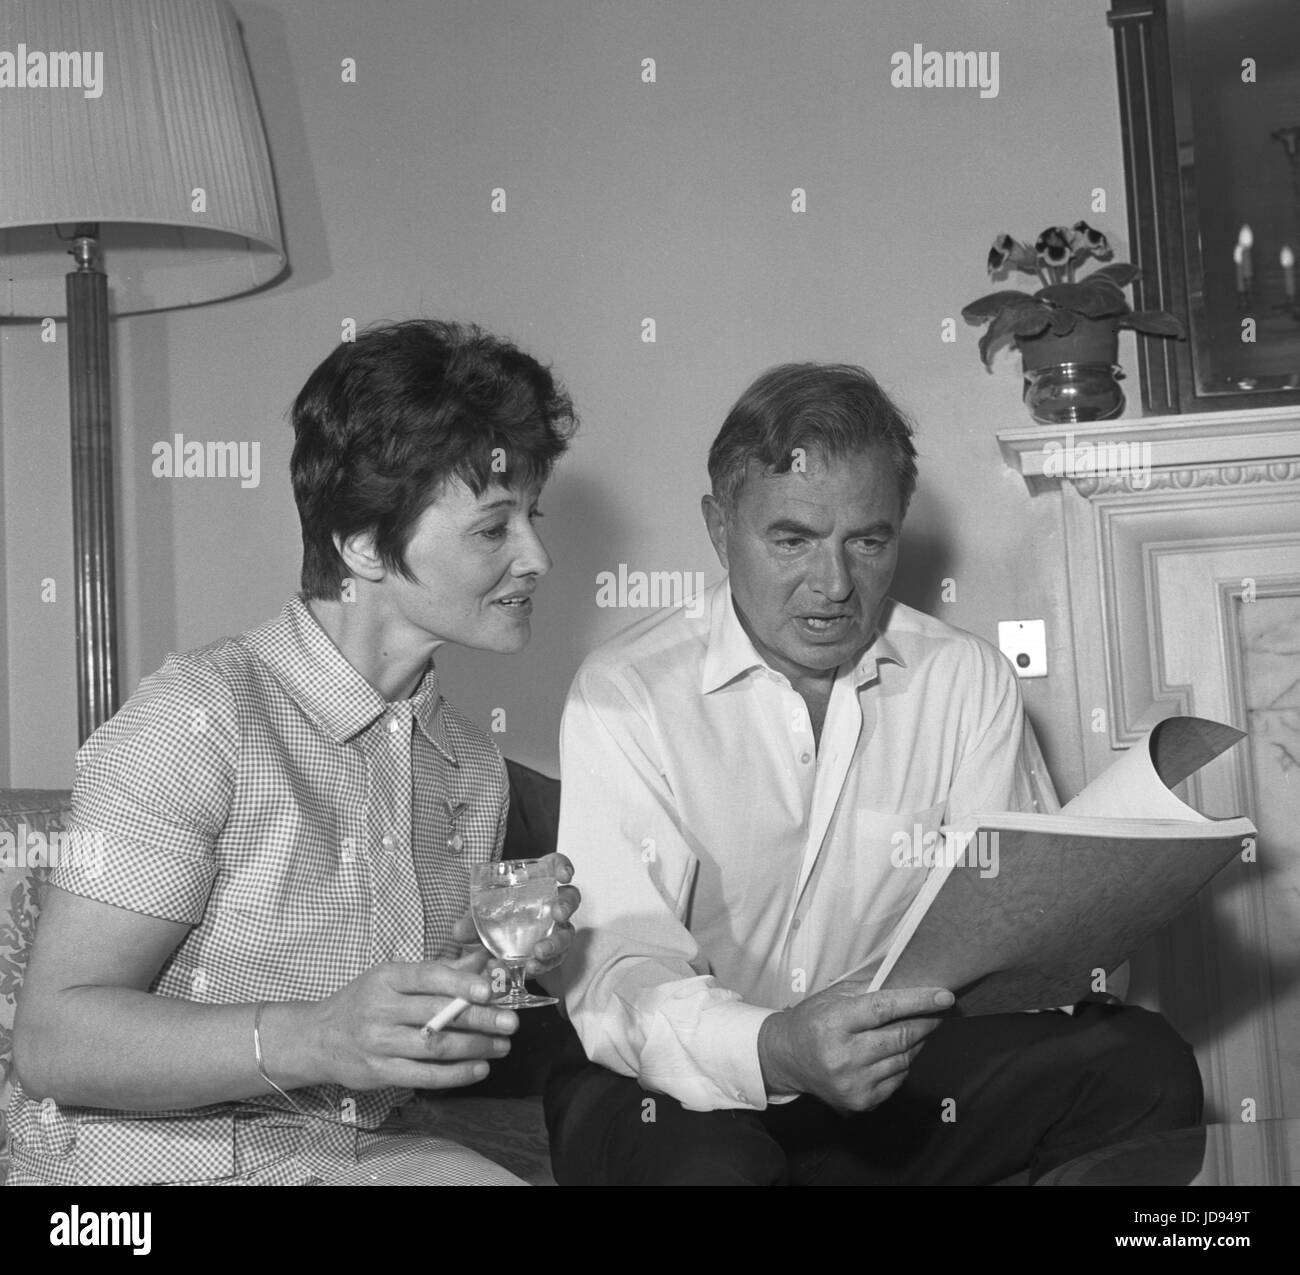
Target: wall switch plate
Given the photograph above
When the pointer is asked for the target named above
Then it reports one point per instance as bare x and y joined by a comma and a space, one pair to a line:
1024, 643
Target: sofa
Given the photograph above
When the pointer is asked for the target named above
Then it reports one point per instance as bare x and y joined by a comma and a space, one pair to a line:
501, 1118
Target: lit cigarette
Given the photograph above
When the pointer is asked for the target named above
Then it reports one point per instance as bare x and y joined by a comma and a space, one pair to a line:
444, 1016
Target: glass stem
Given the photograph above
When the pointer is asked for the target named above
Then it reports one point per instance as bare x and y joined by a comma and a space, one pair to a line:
517, 988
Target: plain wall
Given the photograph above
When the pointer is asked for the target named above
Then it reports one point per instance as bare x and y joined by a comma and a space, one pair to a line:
625, 200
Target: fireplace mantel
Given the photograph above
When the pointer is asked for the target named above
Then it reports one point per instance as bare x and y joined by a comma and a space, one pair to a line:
1171, 526
1204, 449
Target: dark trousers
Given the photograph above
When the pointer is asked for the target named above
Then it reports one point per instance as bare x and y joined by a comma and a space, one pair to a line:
984, 1099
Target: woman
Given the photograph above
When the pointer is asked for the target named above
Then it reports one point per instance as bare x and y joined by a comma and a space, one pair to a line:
267, 893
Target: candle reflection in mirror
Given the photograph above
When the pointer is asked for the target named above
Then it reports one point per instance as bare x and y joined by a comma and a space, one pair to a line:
1241, 258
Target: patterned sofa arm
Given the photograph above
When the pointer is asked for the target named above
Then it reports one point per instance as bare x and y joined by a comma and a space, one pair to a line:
32, 823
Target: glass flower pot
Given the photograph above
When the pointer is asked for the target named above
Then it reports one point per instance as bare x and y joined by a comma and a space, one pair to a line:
1067, 393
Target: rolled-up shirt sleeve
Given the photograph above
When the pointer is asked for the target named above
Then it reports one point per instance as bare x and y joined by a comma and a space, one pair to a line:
636, 987
152, 793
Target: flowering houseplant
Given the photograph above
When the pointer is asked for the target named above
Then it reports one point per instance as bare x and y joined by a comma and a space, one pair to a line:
1062, 301
1068, 331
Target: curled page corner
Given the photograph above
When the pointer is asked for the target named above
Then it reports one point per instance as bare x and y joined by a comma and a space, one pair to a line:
1138, 784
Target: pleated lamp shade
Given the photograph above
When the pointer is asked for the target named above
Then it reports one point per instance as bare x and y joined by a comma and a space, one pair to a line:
138, 115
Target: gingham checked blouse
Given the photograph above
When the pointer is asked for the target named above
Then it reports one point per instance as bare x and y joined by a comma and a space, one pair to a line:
262, 792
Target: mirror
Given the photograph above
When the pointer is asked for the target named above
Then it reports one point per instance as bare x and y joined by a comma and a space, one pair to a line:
1210, 114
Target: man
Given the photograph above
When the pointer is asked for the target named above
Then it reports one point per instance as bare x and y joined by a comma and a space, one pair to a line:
232, 987
733, 782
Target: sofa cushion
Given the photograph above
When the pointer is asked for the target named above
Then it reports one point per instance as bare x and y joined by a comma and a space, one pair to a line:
533, 820
510, 1132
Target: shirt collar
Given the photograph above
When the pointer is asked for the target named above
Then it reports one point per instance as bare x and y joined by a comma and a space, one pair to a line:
884, 650
325, 683
731, 653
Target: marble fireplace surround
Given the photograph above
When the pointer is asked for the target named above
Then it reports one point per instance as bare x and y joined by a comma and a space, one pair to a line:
1172, 524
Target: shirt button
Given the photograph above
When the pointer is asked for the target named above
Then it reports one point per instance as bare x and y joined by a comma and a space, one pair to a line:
796, 924
455, 843
805, 758
394, 725
388, 841
49, 1109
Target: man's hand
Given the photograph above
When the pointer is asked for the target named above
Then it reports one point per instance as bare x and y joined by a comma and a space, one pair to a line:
550, 952
847, 1046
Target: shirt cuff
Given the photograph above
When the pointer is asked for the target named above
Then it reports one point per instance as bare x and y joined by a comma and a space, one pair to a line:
724, 1051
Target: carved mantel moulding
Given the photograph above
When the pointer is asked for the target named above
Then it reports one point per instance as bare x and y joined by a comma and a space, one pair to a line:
1159, 453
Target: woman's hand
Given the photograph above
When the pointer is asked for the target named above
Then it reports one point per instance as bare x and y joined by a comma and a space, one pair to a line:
368, 1033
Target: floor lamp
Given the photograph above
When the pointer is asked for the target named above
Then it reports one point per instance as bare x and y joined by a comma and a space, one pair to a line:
128, 129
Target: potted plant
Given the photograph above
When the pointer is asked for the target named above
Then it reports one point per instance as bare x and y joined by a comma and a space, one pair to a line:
1068, 331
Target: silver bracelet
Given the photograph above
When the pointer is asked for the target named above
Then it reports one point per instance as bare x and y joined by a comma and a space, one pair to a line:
261, 1065
261, 1071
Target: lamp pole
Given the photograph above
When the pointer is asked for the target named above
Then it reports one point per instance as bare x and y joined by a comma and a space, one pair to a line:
117, 169
89, 386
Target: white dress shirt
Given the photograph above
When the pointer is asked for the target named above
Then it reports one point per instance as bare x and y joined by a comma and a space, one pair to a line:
730, 866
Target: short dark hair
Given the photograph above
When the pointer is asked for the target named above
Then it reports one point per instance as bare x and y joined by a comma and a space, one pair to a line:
389, 418
836, 408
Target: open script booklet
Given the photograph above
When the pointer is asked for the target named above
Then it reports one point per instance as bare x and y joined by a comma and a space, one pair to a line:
1020, 910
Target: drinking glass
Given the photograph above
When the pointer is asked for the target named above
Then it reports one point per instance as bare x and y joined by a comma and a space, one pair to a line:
513, 905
